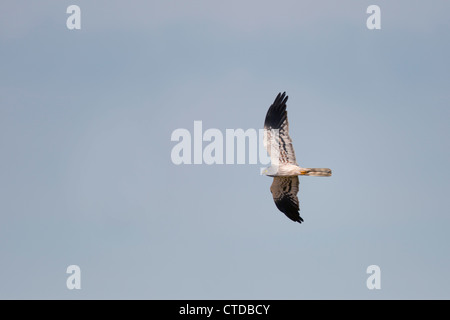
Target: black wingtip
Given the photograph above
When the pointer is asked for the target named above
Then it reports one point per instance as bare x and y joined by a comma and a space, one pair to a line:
281, 98
276, 114
290, 209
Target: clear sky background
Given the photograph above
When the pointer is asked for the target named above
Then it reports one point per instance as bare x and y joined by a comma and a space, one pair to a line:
86, 176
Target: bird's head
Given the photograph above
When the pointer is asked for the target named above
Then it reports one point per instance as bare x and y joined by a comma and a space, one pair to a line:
269, 171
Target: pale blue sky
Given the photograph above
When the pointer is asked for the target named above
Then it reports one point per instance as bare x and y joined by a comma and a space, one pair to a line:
85, 170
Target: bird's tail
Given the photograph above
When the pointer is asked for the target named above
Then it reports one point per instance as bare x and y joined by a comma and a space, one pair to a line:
316, 172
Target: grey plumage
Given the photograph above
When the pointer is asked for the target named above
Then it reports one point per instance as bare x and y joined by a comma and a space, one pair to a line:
284, 192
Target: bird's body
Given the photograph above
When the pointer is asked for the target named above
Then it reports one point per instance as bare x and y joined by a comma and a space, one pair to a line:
284, 168
287, 170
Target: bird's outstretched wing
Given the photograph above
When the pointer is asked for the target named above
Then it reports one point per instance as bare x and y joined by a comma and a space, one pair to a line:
278, 146
284, 192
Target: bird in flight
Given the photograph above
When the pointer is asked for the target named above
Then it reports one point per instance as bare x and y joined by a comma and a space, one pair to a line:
284, 167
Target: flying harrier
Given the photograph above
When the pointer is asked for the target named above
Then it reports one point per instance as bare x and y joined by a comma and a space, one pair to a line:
284, 168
